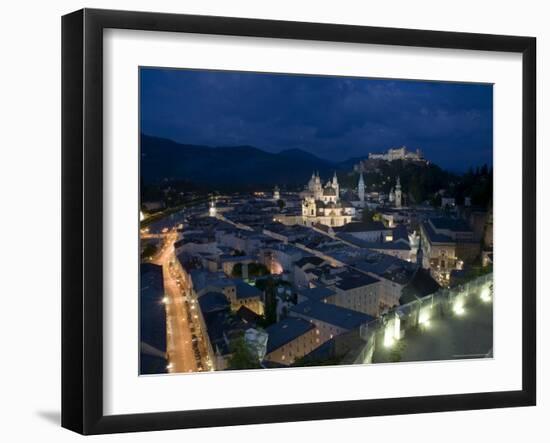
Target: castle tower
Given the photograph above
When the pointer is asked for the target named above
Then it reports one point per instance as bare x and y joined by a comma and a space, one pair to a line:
398, 194
361, 188
276, 193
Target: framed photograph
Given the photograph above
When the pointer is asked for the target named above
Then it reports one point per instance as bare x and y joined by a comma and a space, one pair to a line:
269, 221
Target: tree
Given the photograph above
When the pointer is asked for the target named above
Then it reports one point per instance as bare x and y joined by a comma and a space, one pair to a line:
269, 286
377, 217
436, 201
367, 215
242, 357
254, 270
281, 204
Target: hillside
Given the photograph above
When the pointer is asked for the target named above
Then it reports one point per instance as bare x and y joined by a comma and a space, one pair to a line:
237, 165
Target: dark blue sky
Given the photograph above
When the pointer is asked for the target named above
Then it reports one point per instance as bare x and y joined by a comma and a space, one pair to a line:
332, 117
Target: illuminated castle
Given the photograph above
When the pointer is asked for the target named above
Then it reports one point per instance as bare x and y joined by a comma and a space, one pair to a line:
399, 154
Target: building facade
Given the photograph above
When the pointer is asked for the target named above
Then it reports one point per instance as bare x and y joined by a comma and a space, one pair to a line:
447, 244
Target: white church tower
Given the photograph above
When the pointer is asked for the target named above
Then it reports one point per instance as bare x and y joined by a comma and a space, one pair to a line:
335, 185
276, 193
212, 208
398, 194
361, 188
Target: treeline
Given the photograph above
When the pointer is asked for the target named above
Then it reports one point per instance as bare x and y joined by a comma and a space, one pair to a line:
421, 183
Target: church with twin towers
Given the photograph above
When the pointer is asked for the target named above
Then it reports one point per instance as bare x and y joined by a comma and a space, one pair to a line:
322, 204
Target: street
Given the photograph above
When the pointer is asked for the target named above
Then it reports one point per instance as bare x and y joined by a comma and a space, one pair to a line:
181, 322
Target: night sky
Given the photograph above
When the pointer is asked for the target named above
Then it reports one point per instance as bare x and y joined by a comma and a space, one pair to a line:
332, 117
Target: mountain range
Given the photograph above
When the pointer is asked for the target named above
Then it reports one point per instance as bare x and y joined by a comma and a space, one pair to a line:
162, 158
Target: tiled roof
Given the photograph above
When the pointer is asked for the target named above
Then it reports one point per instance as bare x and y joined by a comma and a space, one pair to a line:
285, 331
331, 314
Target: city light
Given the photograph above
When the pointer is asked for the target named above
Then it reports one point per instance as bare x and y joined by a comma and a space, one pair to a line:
392, 332
458, 307
165, 300
388, 340
485, 295
424, 317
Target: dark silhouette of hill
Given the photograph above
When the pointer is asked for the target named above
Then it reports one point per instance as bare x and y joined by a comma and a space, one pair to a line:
163, 159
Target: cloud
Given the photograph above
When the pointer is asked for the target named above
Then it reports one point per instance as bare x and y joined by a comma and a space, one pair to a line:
332, 117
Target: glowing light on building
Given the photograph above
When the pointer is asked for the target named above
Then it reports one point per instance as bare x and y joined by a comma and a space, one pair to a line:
276, 267
485, 295
424, 316
388, 338
141, 216
212, 209
458, 307
392, 333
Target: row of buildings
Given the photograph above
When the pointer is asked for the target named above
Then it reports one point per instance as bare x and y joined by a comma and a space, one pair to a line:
298, 288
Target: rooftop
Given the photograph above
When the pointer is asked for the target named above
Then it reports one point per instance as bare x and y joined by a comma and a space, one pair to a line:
285, 331
213, 301
247, 315
438, 230
221, 327
244, 290
312, 260
331, 314
362, 227
380, 264
450, 224
399, 244
421, 285
316, 294
353, 279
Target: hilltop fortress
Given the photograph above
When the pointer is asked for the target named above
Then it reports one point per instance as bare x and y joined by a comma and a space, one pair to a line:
398, 154
391, 155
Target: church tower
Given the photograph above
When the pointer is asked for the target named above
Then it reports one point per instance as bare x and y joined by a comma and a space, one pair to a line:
318, 187
361, 188
398, 194
336, 186
212, 209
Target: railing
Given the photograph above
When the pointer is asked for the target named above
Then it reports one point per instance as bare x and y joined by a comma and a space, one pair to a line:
393, 326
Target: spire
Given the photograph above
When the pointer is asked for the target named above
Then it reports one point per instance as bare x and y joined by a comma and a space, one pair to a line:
212, 209
335, 179
361, 188
398, 194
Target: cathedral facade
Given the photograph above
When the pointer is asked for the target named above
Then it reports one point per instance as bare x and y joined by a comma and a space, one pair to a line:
322, 203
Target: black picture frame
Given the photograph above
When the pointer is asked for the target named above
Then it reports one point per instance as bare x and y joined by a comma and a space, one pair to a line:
82, 216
